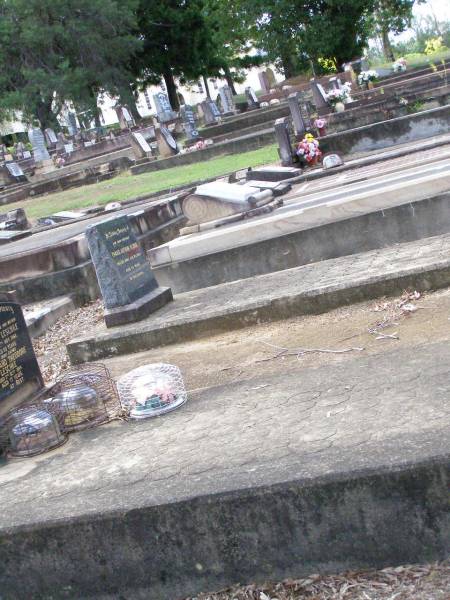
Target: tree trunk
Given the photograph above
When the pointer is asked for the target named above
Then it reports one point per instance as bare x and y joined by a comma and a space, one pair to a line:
44, 113
171, 89
386, 43
127, 99
288, 66
205, 83
229, 79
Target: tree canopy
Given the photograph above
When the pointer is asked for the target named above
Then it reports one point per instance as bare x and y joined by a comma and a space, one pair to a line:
55, 51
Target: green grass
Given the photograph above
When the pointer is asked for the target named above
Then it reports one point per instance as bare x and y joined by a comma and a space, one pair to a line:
416, 60
127, 186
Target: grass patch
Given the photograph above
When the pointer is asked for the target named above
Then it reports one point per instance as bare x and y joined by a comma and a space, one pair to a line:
416, 60
127, 186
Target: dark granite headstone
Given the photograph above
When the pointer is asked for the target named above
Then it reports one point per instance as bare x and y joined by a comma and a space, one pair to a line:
20, 377
297, 118
284, 142
190, 126
129, 289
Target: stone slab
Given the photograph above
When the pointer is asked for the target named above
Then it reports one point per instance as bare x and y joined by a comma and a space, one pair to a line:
306, 212
139, 309
7, 236
321, 470
309, 289
273, 173
279, 188
39, 316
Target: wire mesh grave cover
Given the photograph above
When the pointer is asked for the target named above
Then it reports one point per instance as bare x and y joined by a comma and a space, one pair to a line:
32, 430
152, 390
85, 396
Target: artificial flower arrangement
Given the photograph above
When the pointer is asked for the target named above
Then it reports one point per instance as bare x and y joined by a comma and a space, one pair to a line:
320, 125
340, 95
366, 76
399, 65
308, 149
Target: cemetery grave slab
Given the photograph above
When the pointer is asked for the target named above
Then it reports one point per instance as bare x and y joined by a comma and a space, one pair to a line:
309, 289
358, 456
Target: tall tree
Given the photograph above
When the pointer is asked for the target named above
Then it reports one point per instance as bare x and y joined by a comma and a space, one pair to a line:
178, 41
392, 16
57, 50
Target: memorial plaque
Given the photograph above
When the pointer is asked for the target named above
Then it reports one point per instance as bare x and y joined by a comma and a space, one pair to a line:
20, 377
26, 154
129, 289
190, 125
40, 152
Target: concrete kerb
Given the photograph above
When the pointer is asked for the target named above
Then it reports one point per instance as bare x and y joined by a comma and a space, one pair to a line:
317, 470
329, 525
214, 319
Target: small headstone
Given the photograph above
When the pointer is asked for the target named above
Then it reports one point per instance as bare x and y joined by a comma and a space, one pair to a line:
68, 148
226, 97
129, 289
50, 137
163, 107
251, 98
26, 154
20, 377
297, 118
271, 78
139, 145
72, 124
210, 115
40, 152
332, 160
284, 141
319, 95
16, 172
190, 126
126, 121
264, 82
167, 145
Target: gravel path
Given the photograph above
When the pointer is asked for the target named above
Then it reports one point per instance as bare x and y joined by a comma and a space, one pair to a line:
50, 348
412, 582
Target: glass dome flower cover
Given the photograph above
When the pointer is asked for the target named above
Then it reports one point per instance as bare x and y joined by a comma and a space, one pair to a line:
152, 390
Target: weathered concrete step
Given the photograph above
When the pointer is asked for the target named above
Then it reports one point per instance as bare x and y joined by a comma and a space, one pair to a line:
39, 316
309, 289
321, 470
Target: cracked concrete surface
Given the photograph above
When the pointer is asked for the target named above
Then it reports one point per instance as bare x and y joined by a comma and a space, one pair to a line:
378, 412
